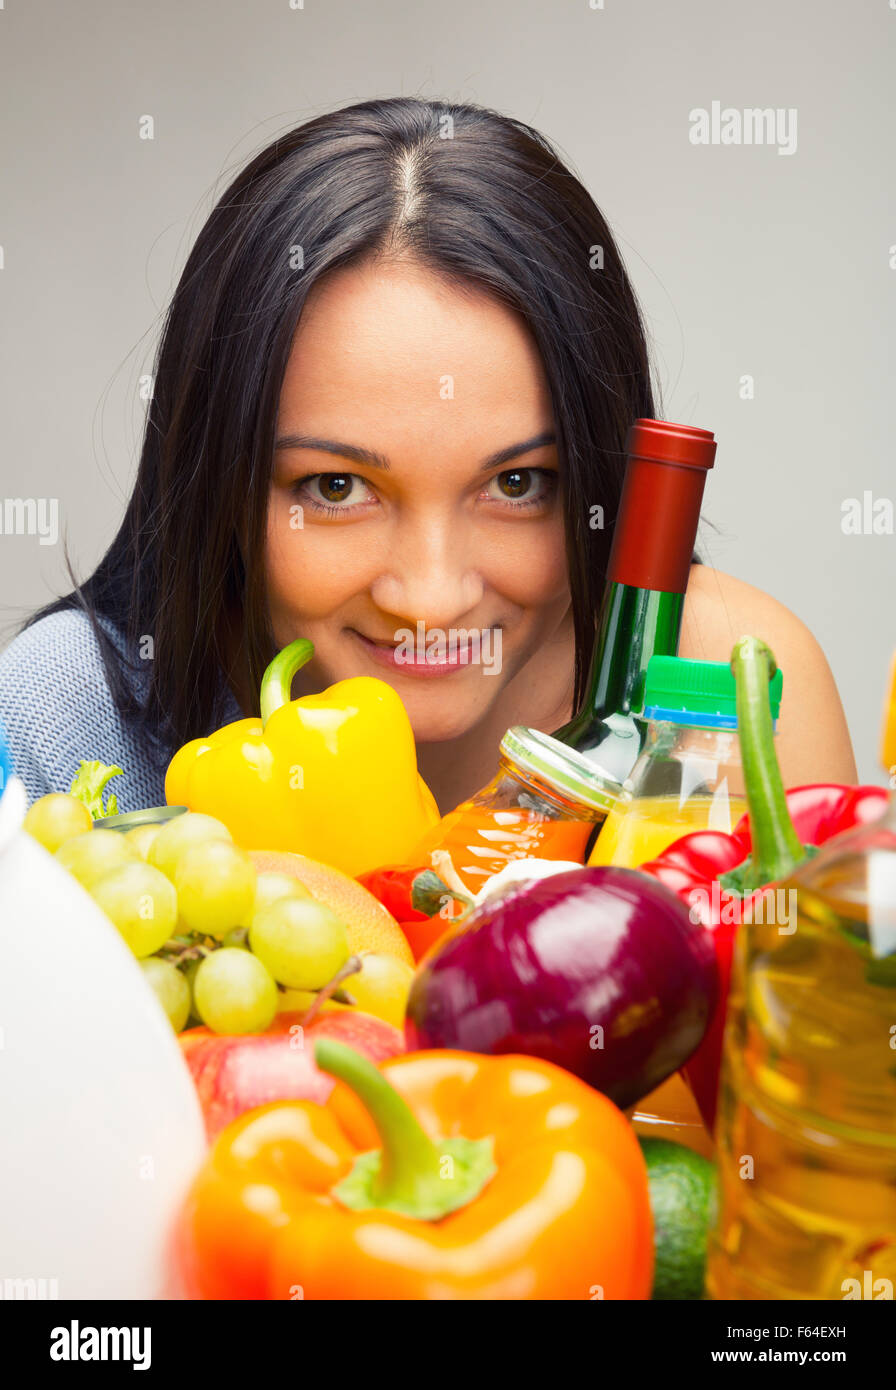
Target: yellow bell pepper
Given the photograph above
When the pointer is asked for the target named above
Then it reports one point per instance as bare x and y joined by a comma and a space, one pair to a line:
888, 740
332, 776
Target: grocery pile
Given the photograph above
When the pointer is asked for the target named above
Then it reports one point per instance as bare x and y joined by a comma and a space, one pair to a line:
388, 1053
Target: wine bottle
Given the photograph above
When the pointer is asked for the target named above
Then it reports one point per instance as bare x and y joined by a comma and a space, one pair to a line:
647, 576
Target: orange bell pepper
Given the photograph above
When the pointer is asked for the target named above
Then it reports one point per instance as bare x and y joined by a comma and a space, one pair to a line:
437, 1175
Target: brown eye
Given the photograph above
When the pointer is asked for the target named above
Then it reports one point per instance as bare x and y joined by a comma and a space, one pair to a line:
335, 487
334, 494
515, 483
522, 487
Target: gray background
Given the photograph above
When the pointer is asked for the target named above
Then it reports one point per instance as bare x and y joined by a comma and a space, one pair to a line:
746, 261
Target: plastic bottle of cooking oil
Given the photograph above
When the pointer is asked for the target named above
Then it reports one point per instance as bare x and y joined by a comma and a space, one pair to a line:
807, 1122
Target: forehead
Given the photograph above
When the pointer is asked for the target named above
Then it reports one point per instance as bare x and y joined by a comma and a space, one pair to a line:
393, 348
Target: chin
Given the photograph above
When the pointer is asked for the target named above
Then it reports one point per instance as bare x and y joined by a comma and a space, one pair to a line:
438, 721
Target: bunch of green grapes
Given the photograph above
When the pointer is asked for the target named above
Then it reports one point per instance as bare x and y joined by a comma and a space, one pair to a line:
217, 941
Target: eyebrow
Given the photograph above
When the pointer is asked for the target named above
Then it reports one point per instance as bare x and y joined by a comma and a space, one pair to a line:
375, 460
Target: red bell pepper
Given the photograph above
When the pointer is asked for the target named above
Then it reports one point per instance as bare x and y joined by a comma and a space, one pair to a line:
423, 934
394, 886
728, 879
421, 902
411, 892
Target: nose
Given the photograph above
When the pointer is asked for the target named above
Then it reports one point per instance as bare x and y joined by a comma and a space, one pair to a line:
429, 574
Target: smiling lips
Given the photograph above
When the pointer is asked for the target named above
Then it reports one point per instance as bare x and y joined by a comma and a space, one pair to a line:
434, 661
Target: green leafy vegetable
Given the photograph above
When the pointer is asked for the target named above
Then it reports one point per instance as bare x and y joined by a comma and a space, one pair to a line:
90, 783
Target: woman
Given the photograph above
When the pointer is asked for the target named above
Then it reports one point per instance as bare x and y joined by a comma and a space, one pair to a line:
393, 381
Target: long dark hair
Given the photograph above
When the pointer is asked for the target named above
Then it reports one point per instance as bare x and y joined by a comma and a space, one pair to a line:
473, 194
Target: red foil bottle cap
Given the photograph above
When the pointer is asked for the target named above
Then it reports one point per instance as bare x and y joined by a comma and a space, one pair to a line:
653, 539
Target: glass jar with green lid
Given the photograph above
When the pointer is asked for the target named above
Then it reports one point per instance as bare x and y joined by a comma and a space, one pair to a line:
688, 776
544, 802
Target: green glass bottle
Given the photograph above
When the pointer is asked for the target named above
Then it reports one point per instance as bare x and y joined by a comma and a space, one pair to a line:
647, 576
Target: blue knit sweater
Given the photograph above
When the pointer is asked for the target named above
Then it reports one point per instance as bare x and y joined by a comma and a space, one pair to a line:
57, 709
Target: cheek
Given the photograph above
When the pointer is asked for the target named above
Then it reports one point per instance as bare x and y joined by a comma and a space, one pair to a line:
308, 570
529, 569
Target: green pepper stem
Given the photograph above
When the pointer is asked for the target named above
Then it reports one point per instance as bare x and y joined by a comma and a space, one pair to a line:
276, 683
410, 1174
409, 1157
776, 847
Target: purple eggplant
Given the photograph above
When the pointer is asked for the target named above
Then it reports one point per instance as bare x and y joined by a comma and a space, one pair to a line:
600, 970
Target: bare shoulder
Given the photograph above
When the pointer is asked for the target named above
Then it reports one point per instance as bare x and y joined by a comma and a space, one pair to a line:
813, 738
719, 609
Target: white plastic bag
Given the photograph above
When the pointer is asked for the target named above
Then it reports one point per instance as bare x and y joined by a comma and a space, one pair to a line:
102, 1130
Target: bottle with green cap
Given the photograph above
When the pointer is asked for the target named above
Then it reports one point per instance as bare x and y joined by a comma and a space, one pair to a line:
688, 776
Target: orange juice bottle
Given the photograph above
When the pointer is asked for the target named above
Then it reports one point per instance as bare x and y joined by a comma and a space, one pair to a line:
543, 803
689, 775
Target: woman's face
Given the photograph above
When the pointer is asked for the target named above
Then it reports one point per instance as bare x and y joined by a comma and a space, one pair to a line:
420, 517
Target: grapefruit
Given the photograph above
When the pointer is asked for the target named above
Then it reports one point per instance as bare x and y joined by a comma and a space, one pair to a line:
371, 927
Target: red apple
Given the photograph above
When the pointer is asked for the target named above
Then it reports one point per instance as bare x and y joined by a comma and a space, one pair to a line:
237, 1073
